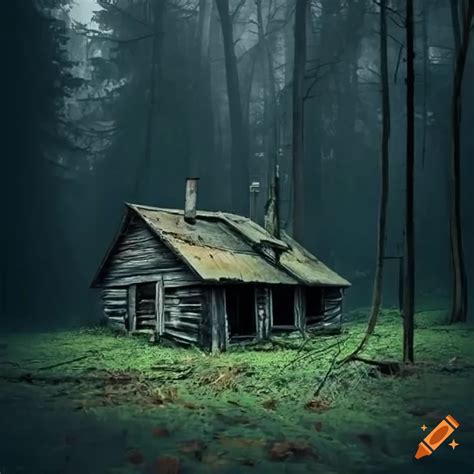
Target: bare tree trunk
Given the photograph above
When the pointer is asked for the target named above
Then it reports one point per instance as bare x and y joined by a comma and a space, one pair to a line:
384, 184
459, 303
426, 79
202, 130
298, 118
156, 14
269, 107
409, 277
240, 145
456, 26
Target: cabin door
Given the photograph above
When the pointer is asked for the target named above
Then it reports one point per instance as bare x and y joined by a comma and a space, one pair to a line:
149, 307
240, 309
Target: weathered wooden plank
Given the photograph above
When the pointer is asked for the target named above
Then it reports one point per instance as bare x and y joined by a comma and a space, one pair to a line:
184, 336
114, 301
139, 256
300, 309
172, 280
132, 291
219, 336
160, 307
262, 295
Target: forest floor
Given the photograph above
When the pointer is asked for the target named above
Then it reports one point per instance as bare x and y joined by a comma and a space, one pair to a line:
89, 401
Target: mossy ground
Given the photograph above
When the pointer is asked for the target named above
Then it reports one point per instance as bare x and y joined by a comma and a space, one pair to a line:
130, 406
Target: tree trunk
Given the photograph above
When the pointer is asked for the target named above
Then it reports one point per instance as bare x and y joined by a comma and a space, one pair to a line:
384, 183
459, 303
270, 126
156, 14
409, 277
298, 118
202, 130
239, 160
425, 79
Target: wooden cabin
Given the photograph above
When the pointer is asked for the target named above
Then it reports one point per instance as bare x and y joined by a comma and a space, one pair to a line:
211, 279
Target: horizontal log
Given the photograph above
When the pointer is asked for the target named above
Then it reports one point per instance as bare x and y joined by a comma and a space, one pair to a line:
182, 335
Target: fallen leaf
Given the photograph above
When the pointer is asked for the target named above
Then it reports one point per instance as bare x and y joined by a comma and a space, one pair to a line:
280, 451
270, 404
194, 448
235, 442
191, 406
318, 405
215, 461
135, 457
159, 432
167, 465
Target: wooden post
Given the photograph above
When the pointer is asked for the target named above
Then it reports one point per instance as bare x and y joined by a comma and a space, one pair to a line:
218, 320
159, 307
300, 319
132, 306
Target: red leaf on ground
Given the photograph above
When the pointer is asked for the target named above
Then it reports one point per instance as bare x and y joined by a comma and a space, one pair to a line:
135, 457
159, 432
167, 465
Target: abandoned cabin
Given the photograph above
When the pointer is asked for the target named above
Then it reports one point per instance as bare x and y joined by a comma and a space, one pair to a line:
211, 278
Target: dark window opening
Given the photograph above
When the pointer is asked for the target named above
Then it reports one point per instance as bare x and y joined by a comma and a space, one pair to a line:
314, 305
283, 306
240, 307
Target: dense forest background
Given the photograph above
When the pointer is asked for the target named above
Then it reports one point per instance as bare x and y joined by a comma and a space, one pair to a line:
123, 104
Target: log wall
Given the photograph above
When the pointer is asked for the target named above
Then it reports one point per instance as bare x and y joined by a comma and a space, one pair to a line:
115, 303
184, 309
140, 257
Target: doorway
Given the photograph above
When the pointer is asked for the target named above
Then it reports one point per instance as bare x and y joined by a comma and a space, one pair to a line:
240, 308
283, 302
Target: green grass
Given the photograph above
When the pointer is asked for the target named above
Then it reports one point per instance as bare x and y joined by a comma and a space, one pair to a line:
128, 404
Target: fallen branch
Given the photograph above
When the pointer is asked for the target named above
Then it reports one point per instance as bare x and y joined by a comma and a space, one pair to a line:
121, 378
311, 354
328, 373
385, 367
70, 361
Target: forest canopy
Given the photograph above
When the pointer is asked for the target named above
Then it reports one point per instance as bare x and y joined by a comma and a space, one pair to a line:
124, 104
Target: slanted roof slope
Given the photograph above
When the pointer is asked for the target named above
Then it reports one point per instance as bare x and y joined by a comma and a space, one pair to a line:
226, 247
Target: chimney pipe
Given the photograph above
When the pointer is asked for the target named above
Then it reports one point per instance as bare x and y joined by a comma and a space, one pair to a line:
191, 200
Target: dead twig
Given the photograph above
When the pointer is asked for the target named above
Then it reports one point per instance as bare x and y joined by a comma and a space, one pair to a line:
328, 372
67, 362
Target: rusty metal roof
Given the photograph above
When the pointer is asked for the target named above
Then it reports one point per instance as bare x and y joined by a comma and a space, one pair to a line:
226, 247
